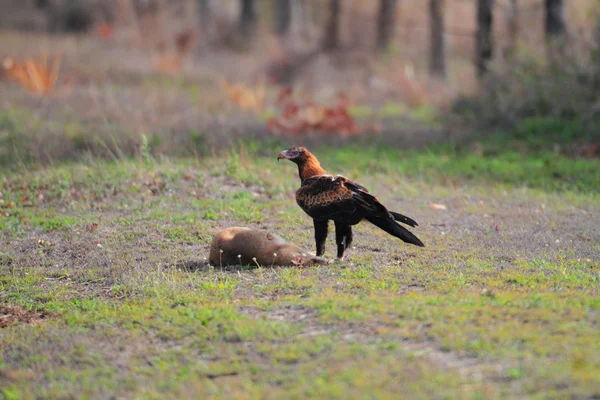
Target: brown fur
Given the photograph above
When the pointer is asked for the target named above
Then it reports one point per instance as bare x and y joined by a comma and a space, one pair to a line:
268, 249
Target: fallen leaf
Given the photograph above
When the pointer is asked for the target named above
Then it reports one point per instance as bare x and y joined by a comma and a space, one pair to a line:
38, 76
300, 117
436, 206
244, 96
590, 150
105, 31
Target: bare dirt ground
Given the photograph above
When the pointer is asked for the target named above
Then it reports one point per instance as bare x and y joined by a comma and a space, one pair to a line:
104, 231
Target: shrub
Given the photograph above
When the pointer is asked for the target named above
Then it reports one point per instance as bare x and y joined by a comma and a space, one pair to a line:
537, 99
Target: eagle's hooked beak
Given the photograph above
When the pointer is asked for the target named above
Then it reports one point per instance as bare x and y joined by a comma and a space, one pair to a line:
281, 155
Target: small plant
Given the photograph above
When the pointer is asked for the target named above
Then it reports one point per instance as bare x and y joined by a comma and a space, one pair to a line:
145, 150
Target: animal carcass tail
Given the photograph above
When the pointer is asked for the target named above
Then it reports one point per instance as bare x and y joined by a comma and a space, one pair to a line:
391, 227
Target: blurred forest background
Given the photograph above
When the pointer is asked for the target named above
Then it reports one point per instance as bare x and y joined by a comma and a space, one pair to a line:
186, 74
131, 131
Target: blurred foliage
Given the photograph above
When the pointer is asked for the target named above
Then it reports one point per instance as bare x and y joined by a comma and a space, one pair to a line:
549, 96
538, 134
449, 164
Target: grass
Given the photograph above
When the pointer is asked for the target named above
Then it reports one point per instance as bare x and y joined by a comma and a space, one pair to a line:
503, 301
445, 164
542, 135
110, 196
524, 156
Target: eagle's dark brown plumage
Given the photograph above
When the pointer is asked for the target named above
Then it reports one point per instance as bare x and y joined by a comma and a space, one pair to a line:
326, 197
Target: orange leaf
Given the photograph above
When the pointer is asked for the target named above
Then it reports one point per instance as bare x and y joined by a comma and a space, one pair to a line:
169, 63
245, 97
438, 206
105, 31
306, 116
37, 76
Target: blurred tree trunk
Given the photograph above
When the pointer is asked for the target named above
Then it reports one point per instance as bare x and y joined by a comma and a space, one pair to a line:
204, 14
554, 26
283, 9
386, 21
247, 22
126, 16
597, 34
512, 26
331, 39
437, 60
555, 23
595, 50
484, 47
299, 18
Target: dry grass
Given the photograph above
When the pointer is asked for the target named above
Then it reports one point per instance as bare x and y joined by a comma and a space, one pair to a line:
115, 251
104, 231
150, 31
11, 315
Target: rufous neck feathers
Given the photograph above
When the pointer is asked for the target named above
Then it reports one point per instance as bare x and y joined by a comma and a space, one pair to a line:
310, 167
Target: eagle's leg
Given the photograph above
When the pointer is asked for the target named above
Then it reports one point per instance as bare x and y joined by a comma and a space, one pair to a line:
343, 237
320, 235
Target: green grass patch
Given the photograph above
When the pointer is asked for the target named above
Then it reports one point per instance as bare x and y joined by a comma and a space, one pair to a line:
538, 135
112, 255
